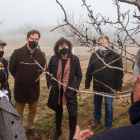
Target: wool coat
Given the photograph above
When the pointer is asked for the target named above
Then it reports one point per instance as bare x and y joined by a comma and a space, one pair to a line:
10, 122
74, 81
26, 88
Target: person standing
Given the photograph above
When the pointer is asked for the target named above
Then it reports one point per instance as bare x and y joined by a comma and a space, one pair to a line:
130, 132
103, 78
10, 122
26, 89
65, 67
5, 63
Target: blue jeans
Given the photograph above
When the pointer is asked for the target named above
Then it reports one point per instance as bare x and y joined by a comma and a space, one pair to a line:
108, 109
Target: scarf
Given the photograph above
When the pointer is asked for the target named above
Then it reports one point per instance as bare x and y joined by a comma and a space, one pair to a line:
64, 80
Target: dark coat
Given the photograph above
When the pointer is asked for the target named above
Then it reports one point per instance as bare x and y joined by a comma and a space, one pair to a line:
74, 81
108, 76
126, 132
121, 133
5, 62
10, 122
26, 90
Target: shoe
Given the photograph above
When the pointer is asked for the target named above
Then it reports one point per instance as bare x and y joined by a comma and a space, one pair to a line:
33, 133
56, 135
94, 125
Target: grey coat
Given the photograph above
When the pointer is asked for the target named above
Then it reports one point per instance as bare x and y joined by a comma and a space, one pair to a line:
10, 122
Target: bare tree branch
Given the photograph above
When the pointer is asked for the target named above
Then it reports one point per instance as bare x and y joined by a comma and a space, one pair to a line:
136, 3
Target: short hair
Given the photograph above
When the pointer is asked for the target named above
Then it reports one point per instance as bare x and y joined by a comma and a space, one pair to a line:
33, 32
105, 37
59, 42
137, 66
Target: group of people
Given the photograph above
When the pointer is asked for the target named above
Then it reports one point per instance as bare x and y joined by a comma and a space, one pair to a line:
65, 67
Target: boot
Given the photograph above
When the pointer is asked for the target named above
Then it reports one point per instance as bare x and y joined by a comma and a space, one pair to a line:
57, 134
94, 125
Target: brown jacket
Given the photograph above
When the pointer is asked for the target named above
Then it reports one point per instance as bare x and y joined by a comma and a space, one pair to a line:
26, 90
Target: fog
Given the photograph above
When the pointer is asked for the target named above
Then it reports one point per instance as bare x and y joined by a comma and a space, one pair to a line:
20, 16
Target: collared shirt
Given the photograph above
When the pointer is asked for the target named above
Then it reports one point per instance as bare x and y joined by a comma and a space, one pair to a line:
32, 54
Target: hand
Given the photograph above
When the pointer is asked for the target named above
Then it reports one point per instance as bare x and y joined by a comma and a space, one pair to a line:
50, 87
83, 135
118, 91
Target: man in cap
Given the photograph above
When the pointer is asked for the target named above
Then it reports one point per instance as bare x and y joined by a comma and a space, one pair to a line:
5, 63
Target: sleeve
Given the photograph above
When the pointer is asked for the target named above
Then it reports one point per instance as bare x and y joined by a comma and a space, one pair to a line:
95, 137
13, 64
6, 67
7, 70
78, 75
44, 60
119, 75
48, 78
90, 69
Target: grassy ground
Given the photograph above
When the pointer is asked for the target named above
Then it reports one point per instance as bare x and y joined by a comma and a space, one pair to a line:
45, 117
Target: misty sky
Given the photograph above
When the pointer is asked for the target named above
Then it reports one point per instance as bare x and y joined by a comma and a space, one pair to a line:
16, 14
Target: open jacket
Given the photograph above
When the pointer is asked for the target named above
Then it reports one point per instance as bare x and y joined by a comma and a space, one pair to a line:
26, 90
74, 81
108, 76
10, 122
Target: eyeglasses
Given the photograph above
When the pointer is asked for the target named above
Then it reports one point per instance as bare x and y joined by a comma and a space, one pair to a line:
35, 39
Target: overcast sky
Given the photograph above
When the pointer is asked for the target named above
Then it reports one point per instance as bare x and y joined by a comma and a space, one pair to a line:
16, 13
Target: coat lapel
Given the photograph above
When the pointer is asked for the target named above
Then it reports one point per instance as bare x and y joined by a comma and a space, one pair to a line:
71, 69
7, 106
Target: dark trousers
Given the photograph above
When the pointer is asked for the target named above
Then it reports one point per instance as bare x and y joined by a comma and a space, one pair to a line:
72, 118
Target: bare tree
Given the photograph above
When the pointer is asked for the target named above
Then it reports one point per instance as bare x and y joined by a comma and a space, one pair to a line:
98, 20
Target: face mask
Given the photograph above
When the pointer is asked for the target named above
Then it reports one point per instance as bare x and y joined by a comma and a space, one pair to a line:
1, 54
102, 48
32, 44
64, 51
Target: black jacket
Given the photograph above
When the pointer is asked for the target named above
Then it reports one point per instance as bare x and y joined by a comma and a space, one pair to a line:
5, 62
125, 132
108, 76
74, 81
